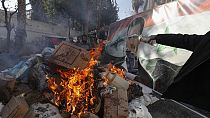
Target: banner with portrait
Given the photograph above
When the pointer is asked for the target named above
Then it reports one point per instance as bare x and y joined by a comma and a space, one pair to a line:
182, 16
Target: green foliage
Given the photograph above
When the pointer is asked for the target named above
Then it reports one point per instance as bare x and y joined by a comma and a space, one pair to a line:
109, 13
92, 12
49, 8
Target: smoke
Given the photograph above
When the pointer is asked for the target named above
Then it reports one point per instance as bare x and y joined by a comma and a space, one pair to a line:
8, 60
80, 10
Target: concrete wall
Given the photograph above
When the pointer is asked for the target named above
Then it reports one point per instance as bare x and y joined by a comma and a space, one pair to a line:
36, 30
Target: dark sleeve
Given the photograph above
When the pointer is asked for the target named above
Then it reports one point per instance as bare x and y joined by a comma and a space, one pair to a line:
184, 41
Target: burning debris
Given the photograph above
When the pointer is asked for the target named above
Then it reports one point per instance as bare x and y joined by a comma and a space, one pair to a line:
76, 88
70, 80
118, 71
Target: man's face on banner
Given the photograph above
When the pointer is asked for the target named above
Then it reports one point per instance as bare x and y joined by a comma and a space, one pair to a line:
134, 33
132, 43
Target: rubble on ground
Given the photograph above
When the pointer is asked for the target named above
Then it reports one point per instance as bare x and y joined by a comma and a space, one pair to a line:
45, 110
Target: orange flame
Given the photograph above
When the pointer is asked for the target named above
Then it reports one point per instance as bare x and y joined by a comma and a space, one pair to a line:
116, 70
75, 87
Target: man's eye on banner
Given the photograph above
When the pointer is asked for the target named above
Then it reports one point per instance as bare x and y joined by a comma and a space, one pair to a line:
134, 32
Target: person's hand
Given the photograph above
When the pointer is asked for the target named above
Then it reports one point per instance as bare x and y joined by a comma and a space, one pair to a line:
150, 40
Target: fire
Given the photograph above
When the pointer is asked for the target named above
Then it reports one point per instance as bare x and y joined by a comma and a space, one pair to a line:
113, 69
116, 70
75, 88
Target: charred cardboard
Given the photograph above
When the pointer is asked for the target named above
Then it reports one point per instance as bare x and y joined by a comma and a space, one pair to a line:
15, 108
70, 56
116, 104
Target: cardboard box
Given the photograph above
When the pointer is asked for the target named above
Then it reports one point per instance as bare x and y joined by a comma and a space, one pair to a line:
116, 104
15, 108
30, 114
70, 56
8, 83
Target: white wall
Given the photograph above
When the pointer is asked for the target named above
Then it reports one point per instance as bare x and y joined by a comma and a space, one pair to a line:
36, 30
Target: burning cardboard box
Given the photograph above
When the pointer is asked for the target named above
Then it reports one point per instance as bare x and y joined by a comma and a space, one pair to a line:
70, 56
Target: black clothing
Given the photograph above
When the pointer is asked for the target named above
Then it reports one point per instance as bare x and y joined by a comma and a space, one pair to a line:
192, 83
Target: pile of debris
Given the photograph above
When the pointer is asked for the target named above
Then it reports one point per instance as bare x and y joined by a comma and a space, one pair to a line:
67, 82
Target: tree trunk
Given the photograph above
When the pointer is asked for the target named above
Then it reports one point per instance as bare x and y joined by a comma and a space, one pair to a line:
20, 34
8, 18
8, 39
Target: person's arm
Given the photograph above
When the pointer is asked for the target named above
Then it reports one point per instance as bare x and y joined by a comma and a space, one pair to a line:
184, 41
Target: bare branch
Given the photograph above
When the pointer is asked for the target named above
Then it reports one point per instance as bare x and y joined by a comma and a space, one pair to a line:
12, 13
7, 23
10, 16
3, 5
5, 12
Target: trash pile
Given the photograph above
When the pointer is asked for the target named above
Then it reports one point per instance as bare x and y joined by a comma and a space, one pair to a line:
69, 82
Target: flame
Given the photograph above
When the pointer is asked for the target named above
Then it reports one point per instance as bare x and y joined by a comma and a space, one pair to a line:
118, 71
74, 89
113, 69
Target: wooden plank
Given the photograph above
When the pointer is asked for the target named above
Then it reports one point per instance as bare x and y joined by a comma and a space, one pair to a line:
123, 106
116, 104
70, 56
15, 108
110, 105
30, 114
